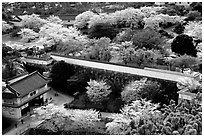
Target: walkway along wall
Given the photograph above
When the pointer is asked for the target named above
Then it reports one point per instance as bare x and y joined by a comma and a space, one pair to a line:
164, 75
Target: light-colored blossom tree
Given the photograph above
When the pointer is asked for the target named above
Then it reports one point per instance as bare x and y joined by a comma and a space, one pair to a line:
59, 119
28, 35
194, 29
98, 91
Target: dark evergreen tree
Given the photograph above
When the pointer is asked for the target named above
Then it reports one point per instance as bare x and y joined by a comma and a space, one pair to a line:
102, 30
183, 44
59, 74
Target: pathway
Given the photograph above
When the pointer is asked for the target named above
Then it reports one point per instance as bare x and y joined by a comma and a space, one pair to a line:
158, 74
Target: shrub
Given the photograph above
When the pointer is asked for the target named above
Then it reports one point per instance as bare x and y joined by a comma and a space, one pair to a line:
183, 44
98, 91
148, 39
102, 30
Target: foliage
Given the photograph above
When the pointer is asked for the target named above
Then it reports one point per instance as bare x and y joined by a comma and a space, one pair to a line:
183, 44
102, 30
60, 119
12, 69
194, 16
33, 22
189, 83
126, 51
59, 74
156, 21
15, 31
54, 19
141, 89
6, 27
143, 118
98, 91
147, 38
135, 119
98, 49
129, 17
184, 118
185, 61
197, 6
5, 50
28, 35
194, 29
67, 40
81, 20
179, 28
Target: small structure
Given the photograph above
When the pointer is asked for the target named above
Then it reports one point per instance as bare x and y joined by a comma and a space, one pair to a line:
68, 23
21, 93
38, 61
185, 94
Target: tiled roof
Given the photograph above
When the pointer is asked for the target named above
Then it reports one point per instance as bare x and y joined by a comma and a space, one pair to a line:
30, 83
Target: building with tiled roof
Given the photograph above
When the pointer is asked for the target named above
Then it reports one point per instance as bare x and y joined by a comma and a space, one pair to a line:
21, 93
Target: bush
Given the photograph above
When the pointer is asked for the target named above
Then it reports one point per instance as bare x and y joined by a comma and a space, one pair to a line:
183, 44
102, 30
148, 39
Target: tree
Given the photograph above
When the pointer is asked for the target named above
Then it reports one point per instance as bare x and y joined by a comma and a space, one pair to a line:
28, 35
194, 29
102, 30
98, 91
185, 61
59, 74
183, 44
138, 118
81, 20
61, 120
54, 19
33, 22
148, 39
142, 89
197, 6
